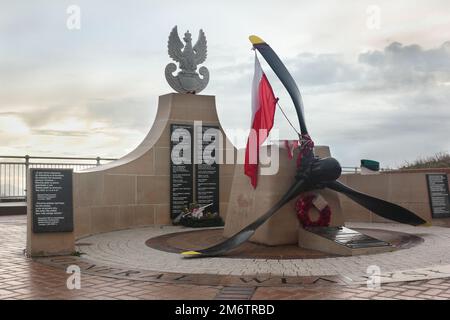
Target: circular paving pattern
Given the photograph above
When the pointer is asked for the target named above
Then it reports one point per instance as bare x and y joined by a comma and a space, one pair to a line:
127, 249
188, 240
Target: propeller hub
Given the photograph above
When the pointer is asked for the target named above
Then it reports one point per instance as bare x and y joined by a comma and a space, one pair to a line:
325, 170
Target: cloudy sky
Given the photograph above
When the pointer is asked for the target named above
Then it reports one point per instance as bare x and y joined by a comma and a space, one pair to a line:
375, 75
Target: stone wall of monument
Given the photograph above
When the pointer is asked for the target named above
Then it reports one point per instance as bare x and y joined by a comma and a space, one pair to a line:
134, 191
406, 188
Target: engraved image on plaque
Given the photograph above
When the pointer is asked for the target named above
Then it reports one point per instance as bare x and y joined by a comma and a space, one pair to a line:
52, 200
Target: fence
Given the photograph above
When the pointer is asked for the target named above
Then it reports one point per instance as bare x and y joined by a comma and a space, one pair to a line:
13, 171
351, 169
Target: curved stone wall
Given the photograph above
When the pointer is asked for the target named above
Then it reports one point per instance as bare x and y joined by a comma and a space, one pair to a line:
134, 191
407, 188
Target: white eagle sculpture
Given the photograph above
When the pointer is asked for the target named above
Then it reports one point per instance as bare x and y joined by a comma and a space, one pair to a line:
188, 57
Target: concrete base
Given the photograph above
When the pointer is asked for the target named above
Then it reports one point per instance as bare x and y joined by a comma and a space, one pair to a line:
247, 204
313, 241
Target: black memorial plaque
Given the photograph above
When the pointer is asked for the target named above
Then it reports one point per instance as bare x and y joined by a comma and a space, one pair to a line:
347, 237
439, 195
181, 171
52, 201
207, 167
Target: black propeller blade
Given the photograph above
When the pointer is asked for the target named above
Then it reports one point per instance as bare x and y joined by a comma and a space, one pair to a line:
380, 207
313, 173
245, 234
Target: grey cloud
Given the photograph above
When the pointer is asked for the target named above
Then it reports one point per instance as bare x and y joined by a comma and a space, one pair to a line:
412, 56
414, 124
41, 116
114, 113
64, 133
322, 69
399, 67
9, 113
133, 113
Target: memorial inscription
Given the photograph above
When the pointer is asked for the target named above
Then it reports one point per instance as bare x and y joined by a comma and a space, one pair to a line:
187, 142
52, 200
438, 193
207, 167
181, 168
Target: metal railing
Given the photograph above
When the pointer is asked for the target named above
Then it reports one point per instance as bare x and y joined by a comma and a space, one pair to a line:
13, 171
351, 169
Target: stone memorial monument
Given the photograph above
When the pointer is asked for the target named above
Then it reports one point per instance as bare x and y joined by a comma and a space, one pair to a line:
186, 168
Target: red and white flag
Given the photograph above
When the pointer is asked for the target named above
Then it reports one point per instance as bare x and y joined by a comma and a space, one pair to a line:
263, 113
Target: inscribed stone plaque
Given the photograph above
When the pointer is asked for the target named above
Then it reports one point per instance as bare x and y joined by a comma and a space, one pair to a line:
181, 168
52, 200
439, 195
207, 167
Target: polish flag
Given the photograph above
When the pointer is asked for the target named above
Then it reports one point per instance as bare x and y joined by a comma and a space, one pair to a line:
263, 113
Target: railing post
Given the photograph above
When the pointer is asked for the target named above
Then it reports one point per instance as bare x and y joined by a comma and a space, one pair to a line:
27, 166
98, 161
27, 162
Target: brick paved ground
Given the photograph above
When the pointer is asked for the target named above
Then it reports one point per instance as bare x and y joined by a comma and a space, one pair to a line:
128, 248
22, 278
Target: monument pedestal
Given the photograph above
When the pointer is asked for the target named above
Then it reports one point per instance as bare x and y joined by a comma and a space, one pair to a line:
247, 204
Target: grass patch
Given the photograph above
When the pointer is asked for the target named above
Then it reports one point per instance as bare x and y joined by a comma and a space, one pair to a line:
439, 160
